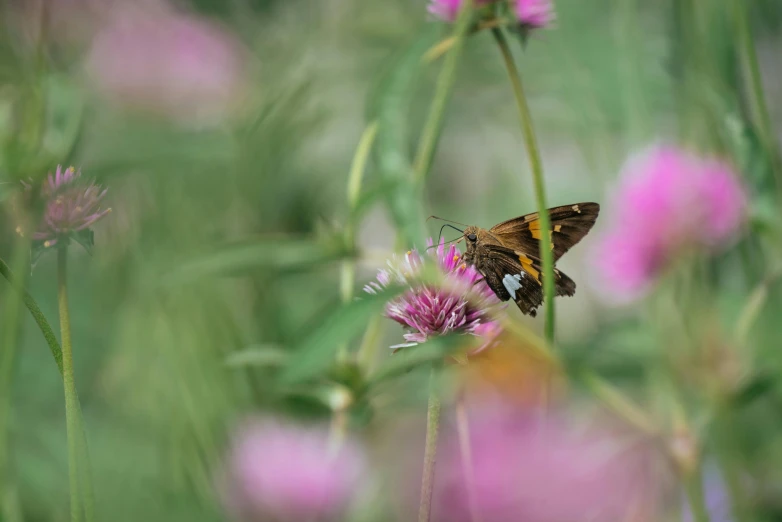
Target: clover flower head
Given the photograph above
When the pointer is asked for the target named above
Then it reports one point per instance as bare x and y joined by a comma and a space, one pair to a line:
534, 13
447, 10
70, 205
525, 467
281, 471
462, 304
669, 201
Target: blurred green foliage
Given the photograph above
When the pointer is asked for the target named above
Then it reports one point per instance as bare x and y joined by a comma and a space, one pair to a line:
213, 289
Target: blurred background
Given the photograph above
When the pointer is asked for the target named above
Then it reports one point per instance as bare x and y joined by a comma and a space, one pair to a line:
225, 132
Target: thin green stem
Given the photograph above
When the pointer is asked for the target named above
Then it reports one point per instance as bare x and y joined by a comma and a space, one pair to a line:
443, 46
693, 485
71, 401
355, 178
35, 311
758, 99
465, 448
10, 344
536, 166
430, 136
619, 404
54, 347
430, 450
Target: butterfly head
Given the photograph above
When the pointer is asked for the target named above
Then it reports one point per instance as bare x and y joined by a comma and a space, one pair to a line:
471, 236
474, 240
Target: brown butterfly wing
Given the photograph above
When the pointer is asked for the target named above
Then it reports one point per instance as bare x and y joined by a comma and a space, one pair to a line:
518, 276
570, 223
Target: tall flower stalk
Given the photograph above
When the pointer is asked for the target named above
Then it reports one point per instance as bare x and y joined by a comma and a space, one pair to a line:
421, 167
536, 166
430, 450
462, 304
69, 207
430, 136
755, 87
69, 382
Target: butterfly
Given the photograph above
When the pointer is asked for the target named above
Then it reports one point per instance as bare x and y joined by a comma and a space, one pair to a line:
507, 255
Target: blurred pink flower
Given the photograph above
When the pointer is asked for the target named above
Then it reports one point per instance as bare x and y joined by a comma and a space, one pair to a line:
535, 13
180, 66
70, 205
284, 472
668, 201
528, 469
426, 310
448, 9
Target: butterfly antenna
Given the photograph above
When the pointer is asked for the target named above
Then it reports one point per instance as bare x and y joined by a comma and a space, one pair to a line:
457, 239
443, 219
440, 235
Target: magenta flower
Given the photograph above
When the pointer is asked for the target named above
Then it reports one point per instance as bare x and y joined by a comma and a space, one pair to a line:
181, 67
534, 13
525, 468
283, 472
70, 205
448, 9
458, 305
668, 202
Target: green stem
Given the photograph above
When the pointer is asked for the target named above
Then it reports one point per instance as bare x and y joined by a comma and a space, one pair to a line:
54, 347
694, 489
355, 178
465, 448
35, 311
10, 336
430, 136
430, 450
536, 166
71, 401
619, 404
758, 98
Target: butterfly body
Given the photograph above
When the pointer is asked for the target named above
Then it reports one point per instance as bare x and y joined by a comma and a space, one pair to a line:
508, 254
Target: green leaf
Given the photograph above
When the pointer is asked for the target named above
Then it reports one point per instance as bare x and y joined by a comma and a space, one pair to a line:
406, 359
759, 386
287, 254
389, 106
86, 238
317, 350
261, 355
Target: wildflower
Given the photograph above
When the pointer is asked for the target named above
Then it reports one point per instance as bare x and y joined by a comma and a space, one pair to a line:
177, 66
284, 472
462, 304
527, 468
447, 10
669, 201
71, 206
534, 13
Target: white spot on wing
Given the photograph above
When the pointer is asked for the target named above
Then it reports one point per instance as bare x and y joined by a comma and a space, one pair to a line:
512, 283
